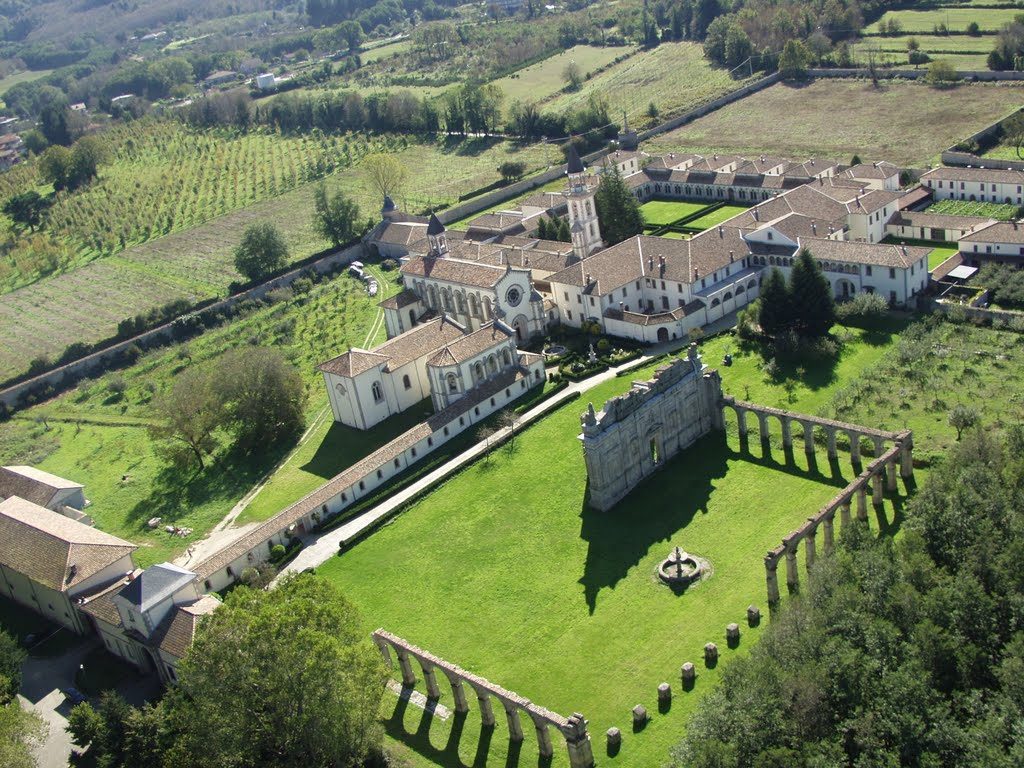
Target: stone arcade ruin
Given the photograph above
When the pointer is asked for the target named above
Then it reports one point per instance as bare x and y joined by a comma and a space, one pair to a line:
636, 433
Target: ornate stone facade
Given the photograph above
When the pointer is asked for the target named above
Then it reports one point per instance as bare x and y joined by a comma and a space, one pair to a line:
636, 433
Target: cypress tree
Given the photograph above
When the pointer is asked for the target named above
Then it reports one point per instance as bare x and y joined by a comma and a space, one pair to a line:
776, 312
617, 210
814, 308
564, 235
542, 229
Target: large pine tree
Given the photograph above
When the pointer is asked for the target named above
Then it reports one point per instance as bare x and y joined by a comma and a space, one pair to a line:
617, 210
813, 306
776, 309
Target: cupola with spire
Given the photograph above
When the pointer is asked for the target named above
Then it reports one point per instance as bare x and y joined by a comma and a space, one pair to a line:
436, 236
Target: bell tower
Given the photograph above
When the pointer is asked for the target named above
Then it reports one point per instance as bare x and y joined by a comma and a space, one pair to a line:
437, 238
583, 223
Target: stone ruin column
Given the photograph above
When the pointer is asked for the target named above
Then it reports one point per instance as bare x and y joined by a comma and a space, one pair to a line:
792, 572
770, 571
486, 712
828, 524
890, 476
907, 457
862, 503
581, 753
854, 447
810, 547
831, 433
879, 445
458, 692
844, 513
787, 432
433, 692
515, 725
877, 492
741, 422
543, 736
408, 676
808, 438
762, 424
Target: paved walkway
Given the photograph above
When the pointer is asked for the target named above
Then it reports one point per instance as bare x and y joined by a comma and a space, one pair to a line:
318, 548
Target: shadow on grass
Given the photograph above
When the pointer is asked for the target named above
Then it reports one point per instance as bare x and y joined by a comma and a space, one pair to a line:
463, 146
448, 756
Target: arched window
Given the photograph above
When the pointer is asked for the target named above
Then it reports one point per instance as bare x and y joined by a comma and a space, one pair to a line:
474, 306
492, 364
752, 284
460, 301
478, 371
378, 392
487, 308
405, 382
715, 302
506, 356
740, 289
432, 297
447, 295
727, 296
590, 211
453, 383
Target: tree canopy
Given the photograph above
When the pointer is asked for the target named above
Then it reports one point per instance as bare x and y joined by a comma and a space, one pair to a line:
804, 306
336, 216
20, 729
261, 252
617, 209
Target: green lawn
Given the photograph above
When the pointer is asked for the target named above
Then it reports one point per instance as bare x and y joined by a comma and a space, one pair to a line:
536, 592
385, 51
956, 19
25, 76
661, 212
101, 439
544, 79
716, 217
999, 211
939, 255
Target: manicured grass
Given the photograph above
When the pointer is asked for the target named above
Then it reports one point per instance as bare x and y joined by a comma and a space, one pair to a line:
674, 76
956, 19
660, 212
86, 303
998, 211
799, 121
674, 236
537, 592
544, 79
932, 44
716, 217
939, 255
101, 439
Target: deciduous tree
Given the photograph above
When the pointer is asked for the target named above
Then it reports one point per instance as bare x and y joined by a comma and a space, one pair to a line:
336, 216
386, 172
27, 208
188, 417
262, 251
261, 396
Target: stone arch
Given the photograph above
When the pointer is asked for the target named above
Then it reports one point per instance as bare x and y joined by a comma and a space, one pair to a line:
715, 302
663, 334
728, 295
845, 288
740, 289
474, 305
478, 371
752, 284
453, 383
521, 327
506, 357
460, 302
488, 314
492, 364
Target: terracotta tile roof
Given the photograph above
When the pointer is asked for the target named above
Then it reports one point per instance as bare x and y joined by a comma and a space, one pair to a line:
882, 170
545, 200
101, 604
812, 167
402, 233
176, 632
453, 270
32, 484
939, 220
993, 175
418, 341
877, 254
947, 266
51, 549
500, 220
486, 337
1010, 232
399, 300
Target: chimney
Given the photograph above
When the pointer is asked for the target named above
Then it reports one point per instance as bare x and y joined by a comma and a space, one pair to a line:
814, 227
904, 249
1014, 223
721, 232
650, 263
696, 274
757, 214
830, 229
586, 279
731, 257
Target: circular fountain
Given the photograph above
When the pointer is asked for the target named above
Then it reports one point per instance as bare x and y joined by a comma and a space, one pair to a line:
681, 568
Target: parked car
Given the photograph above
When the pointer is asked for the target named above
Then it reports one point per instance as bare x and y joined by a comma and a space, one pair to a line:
74, 696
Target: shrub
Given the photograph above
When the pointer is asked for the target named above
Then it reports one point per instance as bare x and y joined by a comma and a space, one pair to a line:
389, 265
277, 551
603, 346
862, 308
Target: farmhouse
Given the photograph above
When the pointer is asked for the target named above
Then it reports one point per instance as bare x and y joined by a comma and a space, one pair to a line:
985, 185
55, 493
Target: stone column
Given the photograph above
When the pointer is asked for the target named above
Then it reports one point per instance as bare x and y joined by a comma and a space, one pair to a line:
408, 676
890, 476
808, 438
829, 531
762, 425
810, 547
543, 738
433, 692
741, 421
862, 503
844, 513
515, 725
486, 712
832, 452
879, 445
787, 432
907, 458
877, 492
854, 447
459, 694
792, 574
772, 577
383, 648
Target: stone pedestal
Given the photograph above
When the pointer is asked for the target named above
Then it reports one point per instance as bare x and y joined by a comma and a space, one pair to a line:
614, 738
688, 673
732, 634
710, 654
753, 616
639, 716
664, 693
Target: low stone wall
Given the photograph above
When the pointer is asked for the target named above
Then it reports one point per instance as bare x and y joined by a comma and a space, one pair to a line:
100, 361
574, 728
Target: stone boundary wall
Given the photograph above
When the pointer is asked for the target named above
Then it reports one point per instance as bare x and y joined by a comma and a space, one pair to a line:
360, 480
976, 313
574, 728
101, 360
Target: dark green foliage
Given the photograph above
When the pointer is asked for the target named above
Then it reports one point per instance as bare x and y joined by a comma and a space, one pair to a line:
793, 60
336, 217
261, 252
27, 208
11, 658
1005, 283
617, 209
896, 654
774, 303
71, 168
812, 303
512, 170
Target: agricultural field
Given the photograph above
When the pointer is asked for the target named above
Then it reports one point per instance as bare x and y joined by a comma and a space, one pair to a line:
97, 433
538, 593
998, 211
674, 77
661, 212
386, 51
800, 121
86, 304
955, 19
540, 81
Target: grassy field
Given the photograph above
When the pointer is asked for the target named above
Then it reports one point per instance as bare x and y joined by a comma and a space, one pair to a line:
999, 211
939, 255
955, 19
25, 76
674, 77
661, 212
964, 62
99, 437
544, 596
542, 80
198, 263
717, 216
379, 52
800, 121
